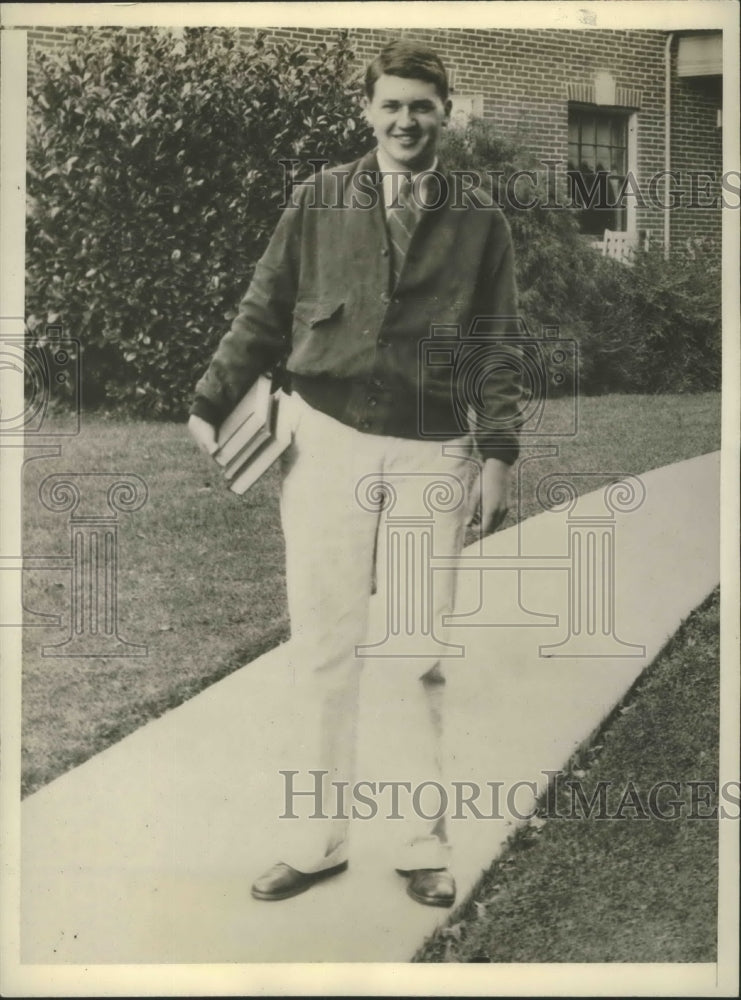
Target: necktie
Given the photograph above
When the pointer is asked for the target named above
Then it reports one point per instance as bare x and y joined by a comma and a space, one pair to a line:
402, 218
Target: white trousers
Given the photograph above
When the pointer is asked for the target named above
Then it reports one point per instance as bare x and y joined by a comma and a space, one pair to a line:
336, 529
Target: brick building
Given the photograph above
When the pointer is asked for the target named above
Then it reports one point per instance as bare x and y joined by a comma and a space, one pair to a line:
636, 111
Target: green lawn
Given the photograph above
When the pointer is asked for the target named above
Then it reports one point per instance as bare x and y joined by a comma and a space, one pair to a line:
201, 571
579, 888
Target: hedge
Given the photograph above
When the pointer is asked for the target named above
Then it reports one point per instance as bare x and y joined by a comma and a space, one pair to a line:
154, 185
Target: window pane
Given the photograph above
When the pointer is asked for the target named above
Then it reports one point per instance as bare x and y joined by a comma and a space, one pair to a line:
618, 130
588, 161
603, 132
603, 158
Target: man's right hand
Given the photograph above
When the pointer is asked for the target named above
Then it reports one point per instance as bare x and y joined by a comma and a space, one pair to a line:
203, 433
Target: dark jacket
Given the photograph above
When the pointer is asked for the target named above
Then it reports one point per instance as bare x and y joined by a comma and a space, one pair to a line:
409, 360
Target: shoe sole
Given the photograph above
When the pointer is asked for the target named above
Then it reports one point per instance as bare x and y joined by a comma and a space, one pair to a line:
430, 900
274, 897
424, 900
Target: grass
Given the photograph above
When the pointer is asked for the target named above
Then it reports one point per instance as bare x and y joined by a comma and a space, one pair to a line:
201, 572
200, 581
608, 890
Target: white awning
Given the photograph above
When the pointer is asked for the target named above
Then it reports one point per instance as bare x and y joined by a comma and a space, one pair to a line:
701, 54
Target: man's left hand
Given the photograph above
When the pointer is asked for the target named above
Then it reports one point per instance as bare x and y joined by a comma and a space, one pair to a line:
489, 497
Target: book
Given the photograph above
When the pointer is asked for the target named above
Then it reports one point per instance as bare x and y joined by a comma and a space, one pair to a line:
252, 442
252, 437
260, 460
248, 418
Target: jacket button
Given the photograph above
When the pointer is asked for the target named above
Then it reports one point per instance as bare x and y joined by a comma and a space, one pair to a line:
372, 401
385, 297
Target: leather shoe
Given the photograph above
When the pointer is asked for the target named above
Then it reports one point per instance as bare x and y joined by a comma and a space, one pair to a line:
281, 881
431, 886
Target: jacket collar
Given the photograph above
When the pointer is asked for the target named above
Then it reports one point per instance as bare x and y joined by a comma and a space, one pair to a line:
369, 165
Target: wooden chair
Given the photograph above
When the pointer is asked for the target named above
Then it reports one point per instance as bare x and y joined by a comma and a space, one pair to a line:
620, 245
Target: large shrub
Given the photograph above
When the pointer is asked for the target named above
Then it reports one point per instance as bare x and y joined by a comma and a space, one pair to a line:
650, 327
663, 330
154, 184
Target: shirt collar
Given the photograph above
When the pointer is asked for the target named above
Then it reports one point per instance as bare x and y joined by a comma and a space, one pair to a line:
390, 190
386, 167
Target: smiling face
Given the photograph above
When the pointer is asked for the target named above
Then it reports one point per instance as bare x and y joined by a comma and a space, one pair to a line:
407, 116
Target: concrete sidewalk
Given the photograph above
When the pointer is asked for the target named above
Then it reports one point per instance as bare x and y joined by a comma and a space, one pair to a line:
146, 852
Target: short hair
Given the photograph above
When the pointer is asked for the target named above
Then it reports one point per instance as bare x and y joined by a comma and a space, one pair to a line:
409, 60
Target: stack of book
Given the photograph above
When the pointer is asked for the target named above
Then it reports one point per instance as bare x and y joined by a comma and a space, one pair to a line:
252, 437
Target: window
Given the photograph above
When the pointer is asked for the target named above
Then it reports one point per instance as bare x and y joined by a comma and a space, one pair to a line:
597, 168
464, 108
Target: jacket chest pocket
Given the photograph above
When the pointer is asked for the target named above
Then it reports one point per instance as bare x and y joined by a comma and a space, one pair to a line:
316, 314
317, 341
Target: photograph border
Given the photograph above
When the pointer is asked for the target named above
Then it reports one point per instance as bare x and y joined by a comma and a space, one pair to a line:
686, 979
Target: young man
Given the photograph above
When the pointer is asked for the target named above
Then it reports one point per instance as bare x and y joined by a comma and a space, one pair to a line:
368, 259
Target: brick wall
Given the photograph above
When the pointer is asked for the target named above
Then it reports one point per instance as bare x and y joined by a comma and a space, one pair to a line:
524, 78
57, 39
696, 145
